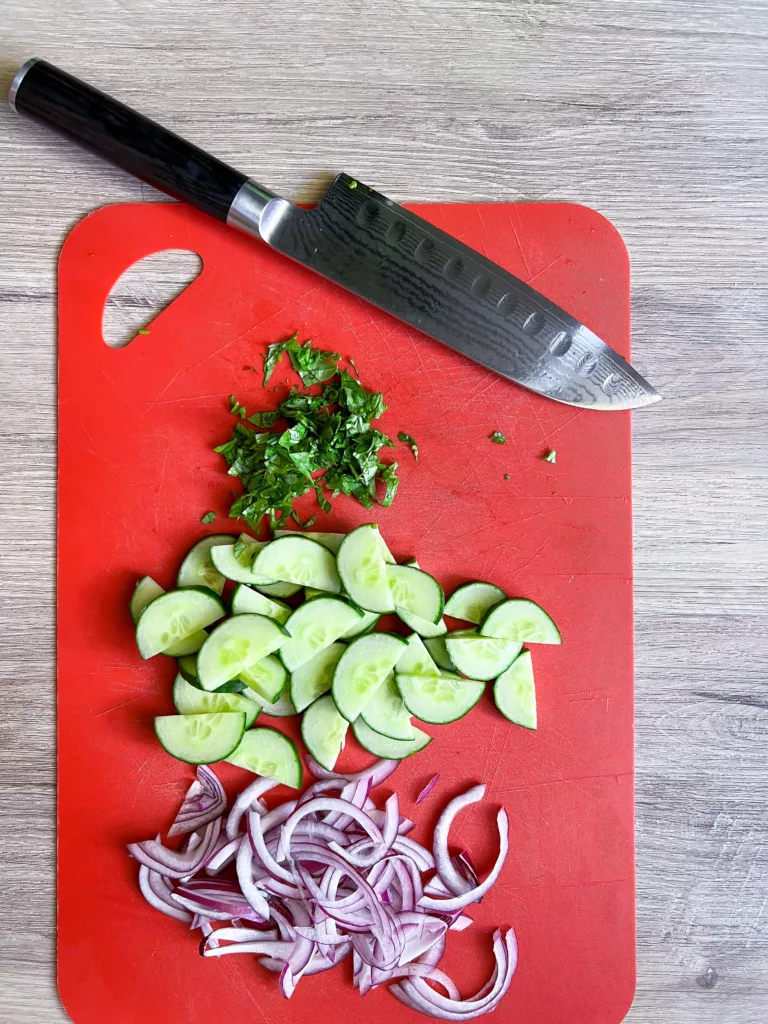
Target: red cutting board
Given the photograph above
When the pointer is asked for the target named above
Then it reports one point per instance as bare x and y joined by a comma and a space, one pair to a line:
137, 472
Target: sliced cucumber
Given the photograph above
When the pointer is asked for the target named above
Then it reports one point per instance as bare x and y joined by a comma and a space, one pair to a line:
313, 626
416, 659
281, 708
522, 621
439, 652
439, 699
189, 700
146, 590
383, 746
324, 731
480, 657
332, 541
515, 693
363, 570
198, 570
189, 645
421, 626
472, 601
416, 592
267, 677
239, 567
201, 739
386, 554
300, 561
362, 669
235, 645
188, 667
310, 592
245, 600
267, 752
175, 616
386, 713
314, 677
368, 621
278, 589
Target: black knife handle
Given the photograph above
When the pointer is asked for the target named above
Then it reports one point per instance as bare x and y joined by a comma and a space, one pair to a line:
125, 137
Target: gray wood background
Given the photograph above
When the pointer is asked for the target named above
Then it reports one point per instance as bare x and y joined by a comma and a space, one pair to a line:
652, 111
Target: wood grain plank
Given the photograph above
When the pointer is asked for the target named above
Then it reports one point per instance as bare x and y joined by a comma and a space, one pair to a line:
653, 113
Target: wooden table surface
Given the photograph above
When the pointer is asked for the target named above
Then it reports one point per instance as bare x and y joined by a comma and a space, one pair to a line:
655, 112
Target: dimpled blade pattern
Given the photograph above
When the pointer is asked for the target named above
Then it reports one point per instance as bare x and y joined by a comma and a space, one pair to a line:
369, 245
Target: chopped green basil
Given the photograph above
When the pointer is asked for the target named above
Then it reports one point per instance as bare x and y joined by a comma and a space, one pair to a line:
498, 438
208, 518
551, 456
407, 439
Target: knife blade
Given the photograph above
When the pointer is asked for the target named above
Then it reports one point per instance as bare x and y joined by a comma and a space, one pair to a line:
362, 241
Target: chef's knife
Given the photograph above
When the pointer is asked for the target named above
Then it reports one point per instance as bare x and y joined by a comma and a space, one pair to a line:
361, 240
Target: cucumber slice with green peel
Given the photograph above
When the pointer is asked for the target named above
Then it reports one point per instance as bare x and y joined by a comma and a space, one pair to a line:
520, 620
368, 622
278, 589
312, 679
281, 708
472, 601
383, 746
439, 699
416, 659
175, 616
362, 669
198, 570
267, 752
439, 652
324, 730
332, 541
515, 693
386, 713
201, 739
245, 600
239, 567
423, 627
301, 561
310, 592
480, 657
146, 590
313, 626
363, 570
188, 667
189, 645
235, 645
189, 700
386, 554
416, 592
267, 677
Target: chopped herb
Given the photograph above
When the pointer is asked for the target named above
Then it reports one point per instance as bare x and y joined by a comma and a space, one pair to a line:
507, 476
498, 438
313, 365
326, 442
238, 548
353, 364
251, 369
353, 184
208, 518
142, 330
407, 439
551, 456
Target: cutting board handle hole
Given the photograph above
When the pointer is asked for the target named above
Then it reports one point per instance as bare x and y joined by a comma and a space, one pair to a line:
144, 290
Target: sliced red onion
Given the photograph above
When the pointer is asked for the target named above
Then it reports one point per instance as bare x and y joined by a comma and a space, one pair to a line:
244, 864
260, 948
172, 863
222, 857
204, 801
455, 881
246, 800
156, 892
327, 803
377, 773
261, 849
427, 789
466, 869
459, 902
422, 858
461, 922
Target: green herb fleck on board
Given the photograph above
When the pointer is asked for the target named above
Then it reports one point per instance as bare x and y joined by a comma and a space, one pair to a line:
498, 438
507, 476
353, 184
323, 442
208, 518
142, 330
550, 456
407, 439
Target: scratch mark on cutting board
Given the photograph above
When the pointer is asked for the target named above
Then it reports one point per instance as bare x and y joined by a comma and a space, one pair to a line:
519, 246
118, 706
